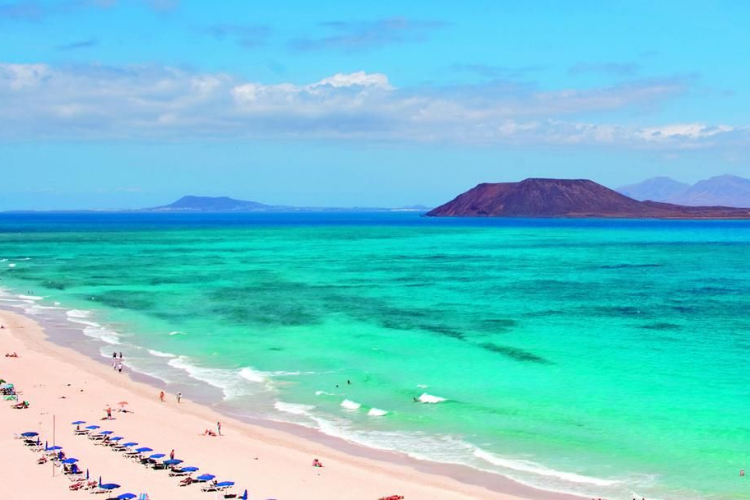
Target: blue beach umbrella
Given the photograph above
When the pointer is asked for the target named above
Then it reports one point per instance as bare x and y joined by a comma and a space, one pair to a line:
77, 422
92, 427
53, 448
109, 486
128, 445
87, 474
205, 477
116, 438
157, 455
244, 496
105, 433
189, 469
225, 484
70, 460
29, 434
173, 461
125, 496
144, 449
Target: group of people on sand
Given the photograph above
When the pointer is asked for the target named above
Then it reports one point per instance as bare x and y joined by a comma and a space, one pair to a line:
209, 432
162, 397
117, 362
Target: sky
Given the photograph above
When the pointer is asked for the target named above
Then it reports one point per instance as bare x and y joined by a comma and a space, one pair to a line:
134, 103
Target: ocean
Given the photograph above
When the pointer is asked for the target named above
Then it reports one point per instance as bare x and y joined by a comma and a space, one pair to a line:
607, 358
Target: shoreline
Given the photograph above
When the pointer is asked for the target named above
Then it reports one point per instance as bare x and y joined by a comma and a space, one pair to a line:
419, 479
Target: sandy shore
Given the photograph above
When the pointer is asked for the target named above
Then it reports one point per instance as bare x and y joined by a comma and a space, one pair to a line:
64, 384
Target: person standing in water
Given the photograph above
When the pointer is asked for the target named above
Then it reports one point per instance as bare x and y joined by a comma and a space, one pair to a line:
179, 397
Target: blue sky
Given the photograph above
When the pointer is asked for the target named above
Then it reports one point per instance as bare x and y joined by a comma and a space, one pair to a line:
129, 103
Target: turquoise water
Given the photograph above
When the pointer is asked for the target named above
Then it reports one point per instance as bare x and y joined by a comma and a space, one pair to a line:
607, 358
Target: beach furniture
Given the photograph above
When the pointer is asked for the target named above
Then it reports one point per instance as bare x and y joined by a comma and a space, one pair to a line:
172, 462
106, 488
152, 460
210, 487
182, 471
126, 496
224, 485
124, 446
187, 481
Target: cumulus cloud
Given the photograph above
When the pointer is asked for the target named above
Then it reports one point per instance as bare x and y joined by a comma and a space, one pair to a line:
39, 101
354, 36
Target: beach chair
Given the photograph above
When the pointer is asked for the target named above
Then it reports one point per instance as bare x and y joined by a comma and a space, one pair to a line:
207, 488
78, 485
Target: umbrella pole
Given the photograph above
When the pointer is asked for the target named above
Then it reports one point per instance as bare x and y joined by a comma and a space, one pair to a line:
53, 444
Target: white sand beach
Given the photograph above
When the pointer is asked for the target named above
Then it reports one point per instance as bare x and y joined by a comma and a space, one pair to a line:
65, 386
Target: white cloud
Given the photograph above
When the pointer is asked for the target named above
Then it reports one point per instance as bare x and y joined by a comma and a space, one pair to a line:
39, 101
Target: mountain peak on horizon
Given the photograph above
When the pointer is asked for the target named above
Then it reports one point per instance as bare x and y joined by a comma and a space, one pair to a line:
725, 190
575, 198
192, 203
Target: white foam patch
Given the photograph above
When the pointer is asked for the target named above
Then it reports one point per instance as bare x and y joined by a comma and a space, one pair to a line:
375, 412
295, 409
160, 354
430, 399
99, 332
422, 386
233, 383
78, 313
11, 265
541, 470
177, 333
253, 375
324, 393
350, 405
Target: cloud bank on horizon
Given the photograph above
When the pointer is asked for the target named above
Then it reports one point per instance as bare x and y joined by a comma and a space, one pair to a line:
39, 101
505, 83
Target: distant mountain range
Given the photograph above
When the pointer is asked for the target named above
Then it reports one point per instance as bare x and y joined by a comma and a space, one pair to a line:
723, 191
189, 204
575, 198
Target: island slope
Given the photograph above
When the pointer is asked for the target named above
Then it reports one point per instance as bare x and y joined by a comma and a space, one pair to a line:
576, 198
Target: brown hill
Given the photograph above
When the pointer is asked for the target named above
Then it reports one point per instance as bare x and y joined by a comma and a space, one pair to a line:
568, 198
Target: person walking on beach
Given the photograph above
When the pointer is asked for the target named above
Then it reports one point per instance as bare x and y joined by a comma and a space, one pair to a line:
114, 361
161, 396
171, 455
218, 428
179, 397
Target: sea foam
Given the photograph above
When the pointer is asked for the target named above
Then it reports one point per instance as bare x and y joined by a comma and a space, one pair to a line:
350, 405
541, 470
160, 354
375, 412
295, 409
430, 399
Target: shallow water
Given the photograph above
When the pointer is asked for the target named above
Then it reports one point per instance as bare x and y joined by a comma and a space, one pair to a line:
606, 358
